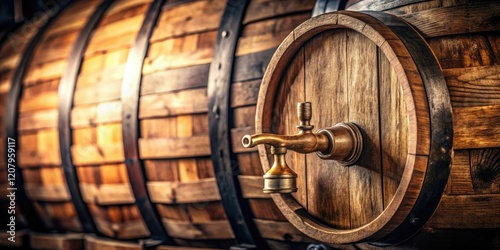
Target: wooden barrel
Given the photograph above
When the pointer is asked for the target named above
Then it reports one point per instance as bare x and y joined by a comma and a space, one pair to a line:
424, 89
113, 113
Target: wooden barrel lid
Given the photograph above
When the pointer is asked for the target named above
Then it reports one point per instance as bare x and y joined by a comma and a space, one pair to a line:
373, 70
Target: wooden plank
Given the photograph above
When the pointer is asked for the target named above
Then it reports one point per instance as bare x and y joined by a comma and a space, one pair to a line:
452, 51
41, 148
381, 5
245, 93
96, 243
460, 181
393, 128
476, 127
252, 186
107, 194
90, 115
97, 93
364, 178
326, 88
96, 154
188, 169
473, 86
103, 76
264, 9
40, 119
189, 50
79, 14
267, 34
176, 79
130, 229
183, 192
236, 136
250, 164
157, 148
459, 19
213, 230
53, 48
45, 72
124, 10
47, 193
484, 170
188, 18
251, 66
467, 211
155, 128
178, 103
115, 35
70, 241
280, 230
41, 96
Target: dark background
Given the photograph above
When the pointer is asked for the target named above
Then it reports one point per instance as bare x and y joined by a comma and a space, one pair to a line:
14, 13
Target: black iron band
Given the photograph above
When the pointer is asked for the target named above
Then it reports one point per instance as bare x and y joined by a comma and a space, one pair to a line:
131, 86
11, 121
66, 92
325, 6
224, 161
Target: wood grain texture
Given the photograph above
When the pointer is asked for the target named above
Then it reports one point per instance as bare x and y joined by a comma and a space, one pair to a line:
326, 80
460, 180
485, 170
458, 19
123, 230
183, 192
174, 147
35, 120
463, 51
107, 194
364, 177
467, 211
263, 9
42, 96
85, 116
380, 5
476, 127
198, 231
474, 86
281, 230
47, 193
189, 18
267, 34
39, 148
393, 128
178, 52
176, 103
251, 187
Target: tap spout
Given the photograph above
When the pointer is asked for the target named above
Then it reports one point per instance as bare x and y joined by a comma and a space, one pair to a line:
302, 143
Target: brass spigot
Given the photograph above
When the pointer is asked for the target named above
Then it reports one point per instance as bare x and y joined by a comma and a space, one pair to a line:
342, 142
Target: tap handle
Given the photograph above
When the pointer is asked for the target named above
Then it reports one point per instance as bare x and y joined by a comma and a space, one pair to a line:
304, 113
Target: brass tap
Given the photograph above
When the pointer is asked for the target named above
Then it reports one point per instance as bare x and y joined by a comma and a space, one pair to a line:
342, 142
